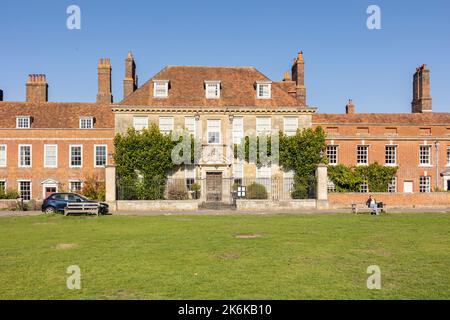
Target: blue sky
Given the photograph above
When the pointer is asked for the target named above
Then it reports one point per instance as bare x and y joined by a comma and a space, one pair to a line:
343, 58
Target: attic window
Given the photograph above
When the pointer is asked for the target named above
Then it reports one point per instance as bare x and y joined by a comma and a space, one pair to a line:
264, 89
212, 89
23, 122
86, 123
161, 88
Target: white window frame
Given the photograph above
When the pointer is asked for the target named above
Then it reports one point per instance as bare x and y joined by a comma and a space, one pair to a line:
3, 181
364, 187
387, 154
238, 171
95, 155
448, 156
5, 160
260, 94
19, 156
208, 130
393, 185
156, 93
75, 181
170, 124
191, 128
238, 130
215, 86
422, 155
138, 126
46, 165
424, 184
19, 122
86, 120
358, 154
261, 128
336, 154
31, 188
289, 128
70, 155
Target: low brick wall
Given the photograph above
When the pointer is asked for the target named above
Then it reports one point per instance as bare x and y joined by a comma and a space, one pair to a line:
392, 200
7, 204
267, 205
154, 205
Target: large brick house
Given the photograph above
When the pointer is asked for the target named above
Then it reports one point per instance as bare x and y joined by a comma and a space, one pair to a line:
46, 146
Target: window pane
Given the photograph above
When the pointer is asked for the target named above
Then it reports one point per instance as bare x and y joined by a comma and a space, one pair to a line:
214, 131
2, 155
238, 130
100, 156
25, 156
425, 184
25, 190
263, 125
76, 156
391, 154
290, 125
140, 123
189, 124
424, 155
75, 186
332, 154
166, 124
86, 123
50, 156
363, 155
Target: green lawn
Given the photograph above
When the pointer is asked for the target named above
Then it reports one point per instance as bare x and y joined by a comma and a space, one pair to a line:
200, 257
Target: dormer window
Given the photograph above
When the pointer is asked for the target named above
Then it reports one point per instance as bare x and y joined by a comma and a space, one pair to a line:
23, 122
86, 123
264, 89
161, 88
212, 89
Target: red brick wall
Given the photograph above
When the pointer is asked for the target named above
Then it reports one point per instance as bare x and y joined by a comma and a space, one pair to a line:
407, 200
63, 173
408, 139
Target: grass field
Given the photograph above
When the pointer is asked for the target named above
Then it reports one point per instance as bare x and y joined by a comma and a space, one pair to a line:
215, 257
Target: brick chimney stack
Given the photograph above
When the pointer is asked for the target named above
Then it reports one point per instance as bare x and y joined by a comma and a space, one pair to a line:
422, 101
37, 88
130, 82
350, 107
298, 75
104, 95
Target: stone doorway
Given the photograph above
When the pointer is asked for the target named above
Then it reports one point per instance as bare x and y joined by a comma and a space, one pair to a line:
214, 187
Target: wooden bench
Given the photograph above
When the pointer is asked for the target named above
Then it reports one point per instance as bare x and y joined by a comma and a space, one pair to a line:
81, 207
358, 208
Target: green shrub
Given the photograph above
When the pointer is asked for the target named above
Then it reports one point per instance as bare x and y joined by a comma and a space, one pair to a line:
256, 191
175, 192
94, 189
9, 194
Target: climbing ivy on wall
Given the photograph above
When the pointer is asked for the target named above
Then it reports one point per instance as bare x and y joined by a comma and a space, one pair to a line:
349, 179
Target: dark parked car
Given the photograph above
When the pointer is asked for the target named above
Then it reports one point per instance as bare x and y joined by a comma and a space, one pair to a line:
58, 201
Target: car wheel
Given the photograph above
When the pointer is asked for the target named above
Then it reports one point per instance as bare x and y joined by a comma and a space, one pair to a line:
50, 210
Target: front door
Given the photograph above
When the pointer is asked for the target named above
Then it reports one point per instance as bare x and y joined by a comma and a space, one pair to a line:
408, 187
214, 187
448, 185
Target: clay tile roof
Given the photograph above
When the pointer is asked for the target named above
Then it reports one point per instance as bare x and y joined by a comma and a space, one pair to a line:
383, 118
187, 88
55, 115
